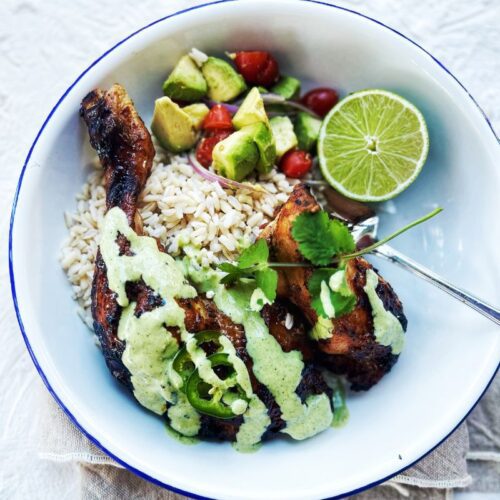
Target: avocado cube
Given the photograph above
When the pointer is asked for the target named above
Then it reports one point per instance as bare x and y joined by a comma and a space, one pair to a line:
307, 130
282, 128
288, 87
172, 126
264, 140
235, 156
251, 110
197, 112
186, 82
224, 82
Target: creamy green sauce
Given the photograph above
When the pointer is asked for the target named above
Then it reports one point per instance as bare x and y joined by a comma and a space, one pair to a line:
255, 422
219, 386
258, 300
242, 376
280, 372
323, 329
180, 437
338, 282
183, 417
326, 300
158, 270
150, 347
340, 410
388, 329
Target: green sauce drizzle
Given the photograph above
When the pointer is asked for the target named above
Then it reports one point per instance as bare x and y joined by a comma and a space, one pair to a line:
323, 329
149, 345
280, 372
158, 270
180, 437
340, 410
388, 329
183, 417
255, 423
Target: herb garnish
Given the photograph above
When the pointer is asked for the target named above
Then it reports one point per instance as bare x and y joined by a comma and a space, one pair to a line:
253, 264
323, 242
321, 238
342, 299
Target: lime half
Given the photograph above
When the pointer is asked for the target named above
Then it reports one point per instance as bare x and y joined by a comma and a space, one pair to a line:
372, 145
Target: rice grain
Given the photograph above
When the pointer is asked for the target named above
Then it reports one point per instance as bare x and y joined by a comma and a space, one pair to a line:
188, 214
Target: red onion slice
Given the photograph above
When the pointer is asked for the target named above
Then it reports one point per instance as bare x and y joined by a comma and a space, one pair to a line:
232, 108
278, 99
227, 183
268, 98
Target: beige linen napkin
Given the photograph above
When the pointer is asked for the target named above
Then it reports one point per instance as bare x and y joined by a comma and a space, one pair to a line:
474, 446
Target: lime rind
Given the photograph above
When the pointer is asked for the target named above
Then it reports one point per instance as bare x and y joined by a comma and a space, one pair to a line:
402, 145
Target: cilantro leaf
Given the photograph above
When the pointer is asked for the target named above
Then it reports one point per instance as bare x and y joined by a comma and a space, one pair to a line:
255, 254
230, 278
253, 264
342, 302
228, 268
321, 238
267, 281
252, 258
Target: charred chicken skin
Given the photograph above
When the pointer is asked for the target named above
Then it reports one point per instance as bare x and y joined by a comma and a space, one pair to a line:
126, 152
352, 350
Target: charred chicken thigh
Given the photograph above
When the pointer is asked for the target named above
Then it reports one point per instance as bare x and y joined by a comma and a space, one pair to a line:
352, 350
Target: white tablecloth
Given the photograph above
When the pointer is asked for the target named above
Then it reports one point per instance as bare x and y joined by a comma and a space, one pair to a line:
45, 44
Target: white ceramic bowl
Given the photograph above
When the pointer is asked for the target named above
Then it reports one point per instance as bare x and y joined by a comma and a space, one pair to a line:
451, 353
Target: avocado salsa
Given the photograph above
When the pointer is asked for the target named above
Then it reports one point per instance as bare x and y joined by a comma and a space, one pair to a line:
209, 105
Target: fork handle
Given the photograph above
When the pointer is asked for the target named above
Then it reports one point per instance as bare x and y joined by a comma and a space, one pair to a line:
487, 310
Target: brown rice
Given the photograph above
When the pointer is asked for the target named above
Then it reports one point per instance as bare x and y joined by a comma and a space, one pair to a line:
190, 215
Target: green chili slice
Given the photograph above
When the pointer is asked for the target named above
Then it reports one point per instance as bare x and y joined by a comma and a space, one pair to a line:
209, 400
182, 362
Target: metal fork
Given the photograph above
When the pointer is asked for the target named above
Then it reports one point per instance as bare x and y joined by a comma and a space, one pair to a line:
365, 225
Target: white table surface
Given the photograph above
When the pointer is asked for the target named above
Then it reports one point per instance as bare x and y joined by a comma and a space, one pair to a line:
45, 44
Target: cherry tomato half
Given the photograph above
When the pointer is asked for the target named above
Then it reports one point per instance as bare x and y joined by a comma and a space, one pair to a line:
257, 67
296, 163
207, 144
320, 100
218, 118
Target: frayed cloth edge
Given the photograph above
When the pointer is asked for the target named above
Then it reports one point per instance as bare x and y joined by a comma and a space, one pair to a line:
487, 456
396, 482
87, 458
461, 482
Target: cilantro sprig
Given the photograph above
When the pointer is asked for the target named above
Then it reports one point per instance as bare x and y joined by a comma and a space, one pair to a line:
323, 242
253, 264
321, 238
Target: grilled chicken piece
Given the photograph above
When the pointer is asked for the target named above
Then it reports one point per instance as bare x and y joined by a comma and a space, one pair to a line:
352, 350
292, 283
123, 144
126, 151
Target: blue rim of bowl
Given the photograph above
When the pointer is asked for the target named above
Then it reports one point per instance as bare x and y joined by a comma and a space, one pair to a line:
11, 260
